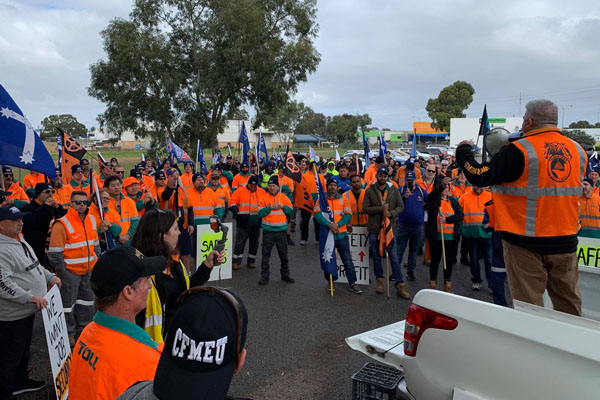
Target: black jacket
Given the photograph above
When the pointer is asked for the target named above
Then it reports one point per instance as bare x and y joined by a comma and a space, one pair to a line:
36, 224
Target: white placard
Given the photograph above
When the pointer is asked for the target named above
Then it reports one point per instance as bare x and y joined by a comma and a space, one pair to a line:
57, 339
359, 250
206, 240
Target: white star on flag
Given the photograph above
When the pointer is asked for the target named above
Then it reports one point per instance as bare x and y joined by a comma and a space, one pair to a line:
329, 247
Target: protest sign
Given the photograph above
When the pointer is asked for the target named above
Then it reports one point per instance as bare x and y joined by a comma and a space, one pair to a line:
588, 252
206, 241
57, 339
359, 250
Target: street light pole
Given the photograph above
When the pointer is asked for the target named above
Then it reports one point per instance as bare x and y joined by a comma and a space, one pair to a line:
563, 115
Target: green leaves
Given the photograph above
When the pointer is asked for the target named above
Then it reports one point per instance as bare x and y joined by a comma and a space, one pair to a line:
450, 103
179, 67
67, 122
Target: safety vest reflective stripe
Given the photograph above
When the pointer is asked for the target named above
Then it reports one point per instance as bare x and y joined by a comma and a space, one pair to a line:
474, 214
72, 261
86, 303
590, 216
248, 212
203, 208
55, 249
590, 227
538, 192
447, 211
269, 223
77, 245
67, 225
496, 269
358, 216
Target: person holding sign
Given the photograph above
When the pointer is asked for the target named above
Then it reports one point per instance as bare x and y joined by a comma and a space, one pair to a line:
23, 283
157, 235
342, 214
273, 208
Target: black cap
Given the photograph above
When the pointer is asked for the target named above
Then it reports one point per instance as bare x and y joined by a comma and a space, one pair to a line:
228, 157
201, 346
274, 180
159, 175
40, 187
6, 169
244, 164
76, 168
383, 170
11, 212
253, 180
331, 180
85, 161
122, 266
197, 175
379, 160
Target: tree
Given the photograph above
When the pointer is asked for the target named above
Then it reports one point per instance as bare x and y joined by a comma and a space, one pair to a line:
66, 122
580, 137
312, 123
238, 114
450, 103
344, 128
584, 125
284, 119
178, 67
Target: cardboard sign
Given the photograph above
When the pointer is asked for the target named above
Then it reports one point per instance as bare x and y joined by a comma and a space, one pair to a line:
57, 339
206, 240
359, 250
588, 252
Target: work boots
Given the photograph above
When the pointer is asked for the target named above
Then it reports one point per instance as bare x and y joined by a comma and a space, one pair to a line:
448, 287
433, 285
379, 288
251, 265
235, 266
402, 292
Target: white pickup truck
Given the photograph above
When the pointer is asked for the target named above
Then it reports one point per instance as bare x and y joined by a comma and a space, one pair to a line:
454, 347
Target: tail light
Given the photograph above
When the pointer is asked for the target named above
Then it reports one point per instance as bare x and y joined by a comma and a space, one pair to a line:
417, 321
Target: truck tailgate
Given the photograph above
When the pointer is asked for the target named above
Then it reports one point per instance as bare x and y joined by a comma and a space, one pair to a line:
385, 344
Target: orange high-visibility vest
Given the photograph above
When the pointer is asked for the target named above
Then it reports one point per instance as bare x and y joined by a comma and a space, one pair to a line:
170, 204
128, 213
186, 179
105, 362
17, 192
110, 215
427, 187
63, 195
458, 191
473, 207
147, 182
204, 204
81, 237
544, 200
276, 218
589, 213
401, 174
359, 217
240, 181
447, 211
223, 195
246, 201
32, 179
489, 208
371, 174
338, 208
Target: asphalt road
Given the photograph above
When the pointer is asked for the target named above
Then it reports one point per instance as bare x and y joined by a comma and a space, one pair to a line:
296, 332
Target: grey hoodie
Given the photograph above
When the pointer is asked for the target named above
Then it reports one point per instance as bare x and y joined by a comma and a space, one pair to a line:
21, 278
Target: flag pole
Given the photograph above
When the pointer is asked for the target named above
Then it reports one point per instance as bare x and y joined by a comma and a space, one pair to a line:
387, 271
331, 284
443, 245
2, 177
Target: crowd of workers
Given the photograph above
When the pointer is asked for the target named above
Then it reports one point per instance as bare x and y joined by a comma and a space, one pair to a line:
72, 235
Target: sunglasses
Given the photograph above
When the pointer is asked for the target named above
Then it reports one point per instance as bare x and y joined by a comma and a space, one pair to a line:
49, 191
80, 202
8, 175
214, 178
227, 296
120, 172
431, 170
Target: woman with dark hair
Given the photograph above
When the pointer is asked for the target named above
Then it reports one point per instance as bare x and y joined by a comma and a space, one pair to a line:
443, 217
157, 235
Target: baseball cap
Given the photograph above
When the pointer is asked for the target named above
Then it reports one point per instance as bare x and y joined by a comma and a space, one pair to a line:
76, 168
7, 169
159, 175
130, 180
383, 170
274, 180
11, 212
171, 171
379, 160
198, 175
213, 322
85, 161
253, 180
120, 267
228, 157
331, 180
410, 176
40, 187
244, 164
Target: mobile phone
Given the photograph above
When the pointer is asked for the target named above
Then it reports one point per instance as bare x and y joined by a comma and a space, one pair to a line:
410, 185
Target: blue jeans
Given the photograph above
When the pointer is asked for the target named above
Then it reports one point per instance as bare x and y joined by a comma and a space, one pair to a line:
343, 247
483, 246
411, 236
392, 254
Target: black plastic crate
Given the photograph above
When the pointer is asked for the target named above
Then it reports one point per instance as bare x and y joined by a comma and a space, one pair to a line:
375, 382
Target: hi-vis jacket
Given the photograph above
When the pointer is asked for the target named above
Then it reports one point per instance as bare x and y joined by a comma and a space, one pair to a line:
342, 214
589, 214
274, 220
359, 217
129, 216
244, 205
204, 204
74, 243
473, 207
544, 200
111, 355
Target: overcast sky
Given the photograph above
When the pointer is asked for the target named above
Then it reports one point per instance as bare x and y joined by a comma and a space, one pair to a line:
381, 57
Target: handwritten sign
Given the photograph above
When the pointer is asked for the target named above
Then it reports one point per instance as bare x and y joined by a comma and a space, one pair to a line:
206, 242
588, 252
359, 250
57, 339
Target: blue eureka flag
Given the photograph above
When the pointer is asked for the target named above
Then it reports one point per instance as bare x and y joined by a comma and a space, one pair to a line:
366, 150
20, 145
245, 143
177, 152
326, 239
261, 148
413, 150
200, 159
382, 146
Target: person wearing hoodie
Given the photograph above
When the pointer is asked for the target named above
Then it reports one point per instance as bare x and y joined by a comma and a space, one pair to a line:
23, 283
